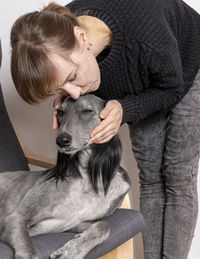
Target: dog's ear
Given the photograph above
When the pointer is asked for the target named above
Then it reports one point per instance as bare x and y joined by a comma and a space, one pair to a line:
104, 161
65, 167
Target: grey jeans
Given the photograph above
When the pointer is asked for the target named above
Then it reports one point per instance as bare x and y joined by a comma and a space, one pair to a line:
166, 146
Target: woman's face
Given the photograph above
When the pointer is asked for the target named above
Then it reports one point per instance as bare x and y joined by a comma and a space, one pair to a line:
78, 72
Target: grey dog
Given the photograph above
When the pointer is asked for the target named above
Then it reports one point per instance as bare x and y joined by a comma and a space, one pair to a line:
86, 185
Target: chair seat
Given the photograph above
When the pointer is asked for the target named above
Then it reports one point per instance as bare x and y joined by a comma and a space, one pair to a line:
124, 224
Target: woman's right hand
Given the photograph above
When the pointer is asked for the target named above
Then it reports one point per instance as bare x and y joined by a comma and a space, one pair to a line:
57, 103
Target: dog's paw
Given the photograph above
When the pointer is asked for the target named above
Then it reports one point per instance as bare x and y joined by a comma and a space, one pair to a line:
26, 256
65, 253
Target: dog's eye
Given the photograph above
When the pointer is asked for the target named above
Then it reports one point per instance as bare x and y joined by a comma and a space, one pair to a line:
59, 113
87, 111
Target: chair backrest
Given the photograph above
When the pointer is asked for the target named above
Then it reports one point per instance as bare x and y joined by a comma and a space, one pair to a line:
0, 53
11, 155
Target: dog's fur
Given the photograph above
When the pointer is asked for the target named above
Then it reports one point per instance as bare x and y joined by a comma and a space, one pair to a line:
86, 185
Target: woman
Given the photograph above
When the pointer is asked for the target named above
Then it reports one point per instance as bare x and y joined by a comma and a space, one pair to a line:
143, 57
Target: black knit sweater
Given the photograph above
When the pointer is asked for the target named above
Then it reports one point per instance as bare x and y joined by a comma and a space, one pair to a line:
155, 53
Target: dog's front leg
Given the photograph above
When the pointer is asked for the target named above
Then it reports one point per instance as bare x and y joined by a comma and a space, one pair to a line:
81, 227
15, 234
82, 243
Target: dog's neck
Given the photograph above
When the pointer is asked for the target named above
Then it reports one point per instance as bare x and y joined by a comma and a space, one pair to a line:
84, 157
84, 167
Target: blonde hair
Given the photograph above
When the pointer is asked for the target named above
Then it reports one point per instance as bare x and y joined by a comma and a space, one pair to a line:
33, 73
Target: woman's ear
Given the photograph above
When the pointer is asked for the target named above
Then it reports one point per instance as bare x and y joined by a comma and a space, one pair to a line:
81, 36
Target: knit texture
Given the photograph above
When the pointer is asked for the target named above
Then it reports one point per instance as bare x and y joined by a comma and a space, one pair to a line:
154, 56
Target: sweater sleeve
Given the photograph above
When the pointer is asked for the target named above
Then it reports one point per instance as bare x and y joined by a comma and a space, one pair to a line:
164, 91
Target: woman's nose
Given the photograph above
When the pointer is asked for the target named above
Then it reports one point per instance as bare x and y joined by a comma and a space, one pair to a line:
73, 90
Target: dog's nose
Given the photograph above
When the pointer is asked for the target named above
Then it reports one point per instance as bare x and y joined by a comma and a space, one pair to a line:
64, 140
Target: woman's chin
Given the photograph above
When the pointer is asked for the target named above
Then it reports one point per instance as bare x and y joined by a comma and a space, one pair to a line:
96, 85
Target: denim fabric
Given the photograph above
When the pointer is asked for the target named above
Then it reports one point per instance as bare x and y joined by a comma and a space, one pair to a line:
166, 146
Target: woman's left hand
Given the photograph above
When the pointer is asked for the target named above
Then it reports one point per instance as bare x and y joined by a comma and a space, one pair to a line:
109, 127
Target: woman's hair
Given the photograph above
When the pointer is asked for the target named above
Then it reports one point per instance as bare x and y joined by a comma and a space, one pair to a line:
33, 37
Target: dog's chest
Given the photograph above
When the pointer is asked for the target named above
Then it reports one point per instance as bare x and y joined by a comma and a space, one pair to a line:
68, 214
81, 202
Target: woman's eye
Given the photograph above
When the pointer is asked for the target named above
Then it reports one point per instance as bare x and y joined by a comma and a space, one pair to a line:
74, 77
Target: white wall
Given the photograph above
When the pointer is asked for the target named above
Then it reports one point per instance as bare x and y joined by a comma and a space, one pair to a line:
35, 122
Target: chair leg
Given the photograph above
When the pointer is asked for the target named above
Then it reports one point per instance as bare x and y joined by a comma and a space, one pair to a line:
125, 251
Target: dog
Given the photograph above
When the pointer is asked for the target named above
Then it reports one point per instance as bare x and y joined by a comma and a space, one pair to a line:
86, 185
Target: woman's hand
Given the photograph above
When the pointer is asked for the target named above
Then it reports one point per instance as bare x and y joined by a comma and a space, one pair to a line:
57, 103
112, 117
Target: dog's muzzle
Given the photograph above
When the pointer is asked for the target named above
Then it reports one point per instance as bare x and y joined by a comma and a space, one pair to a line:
64, 140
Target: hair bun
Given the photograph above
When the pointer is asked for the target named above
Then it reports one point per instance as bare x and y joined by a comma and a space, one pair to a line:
56, 8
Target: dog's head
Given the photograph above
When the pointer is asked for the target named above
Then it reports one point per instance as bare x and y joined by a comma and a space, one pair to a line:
77, 119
